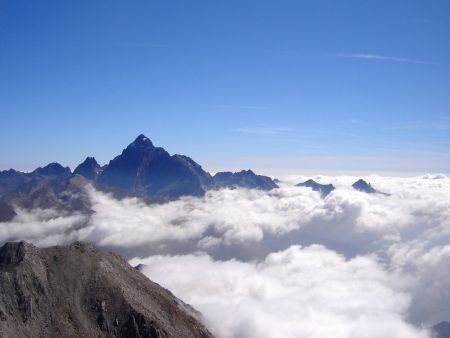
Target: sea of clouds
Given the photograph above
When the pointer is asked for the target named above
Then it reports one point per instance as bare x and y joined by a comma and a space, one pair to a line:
285, 262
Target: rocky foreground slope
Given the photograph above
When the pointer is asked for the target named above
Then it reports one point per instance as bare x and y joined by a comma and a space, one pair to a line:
78, 291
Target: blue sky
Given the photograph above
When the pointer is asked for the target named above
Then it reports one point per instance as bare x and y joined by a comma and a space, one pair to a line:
278, 86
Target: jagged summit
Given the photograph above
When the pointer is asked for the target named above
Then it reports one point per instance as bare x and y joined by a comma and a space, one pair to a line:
79, 291
363, 186
145, 170
243, 179
52, 169
91, 161
141, 141
324, 189
89, 169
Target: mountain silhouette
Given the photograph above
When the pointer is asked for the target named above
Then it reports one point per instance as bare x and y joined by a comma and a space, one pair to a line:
363, 186
145, 170
243, 179
89, 169
324, 189
141, 170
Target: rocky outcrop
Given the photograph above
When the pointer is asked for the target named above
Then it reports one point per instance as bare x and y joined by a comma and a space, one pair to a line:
89, 169
323, 189
243, 179
52, 170
363, 186
78, 291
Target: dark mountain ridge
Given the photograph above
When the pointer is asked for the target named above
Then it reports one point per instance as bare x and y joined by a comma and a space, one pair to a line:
243, 179
363, 186
323, 189
141, 170
89, 169
145, 170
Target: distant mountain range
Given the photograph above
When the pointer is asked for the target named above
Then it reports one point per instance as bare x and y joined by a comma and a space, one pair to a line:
324, 189
141, 170
243, 179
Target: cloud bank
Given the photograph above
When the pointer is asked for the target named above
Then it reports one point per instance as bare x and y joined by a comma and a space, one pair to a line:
298, 292
284, 262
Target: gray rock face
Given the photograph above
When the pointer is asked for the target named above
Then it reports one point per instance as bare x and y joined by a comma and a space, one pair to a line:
145, 170
64, 193
243, 179
52, 186
324, 189
78, 291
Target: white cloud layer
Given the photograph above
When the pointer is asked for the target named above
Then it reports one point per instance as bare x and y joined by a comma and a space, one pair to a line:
298, 292
367, 266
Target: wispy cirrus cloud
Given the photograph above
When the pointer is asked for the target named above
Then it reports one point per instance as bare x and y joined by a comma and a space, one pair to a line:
263, 131
379, 57
251, 107
441, 124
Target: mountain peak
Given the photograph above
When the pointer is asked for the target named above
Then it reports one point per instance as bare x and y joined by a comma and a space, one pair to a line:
90, 160
243, 179
323, 189
52, 169
89, 169
141, 141
362, 185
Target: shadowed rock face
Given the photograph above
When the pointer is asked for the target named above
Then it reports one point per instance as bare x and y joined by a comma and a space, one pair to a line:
10, 180
441, 330
324, 189
52, 170
7, 213
89, 169
145, 170
78, 291
363, 186
243, 179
